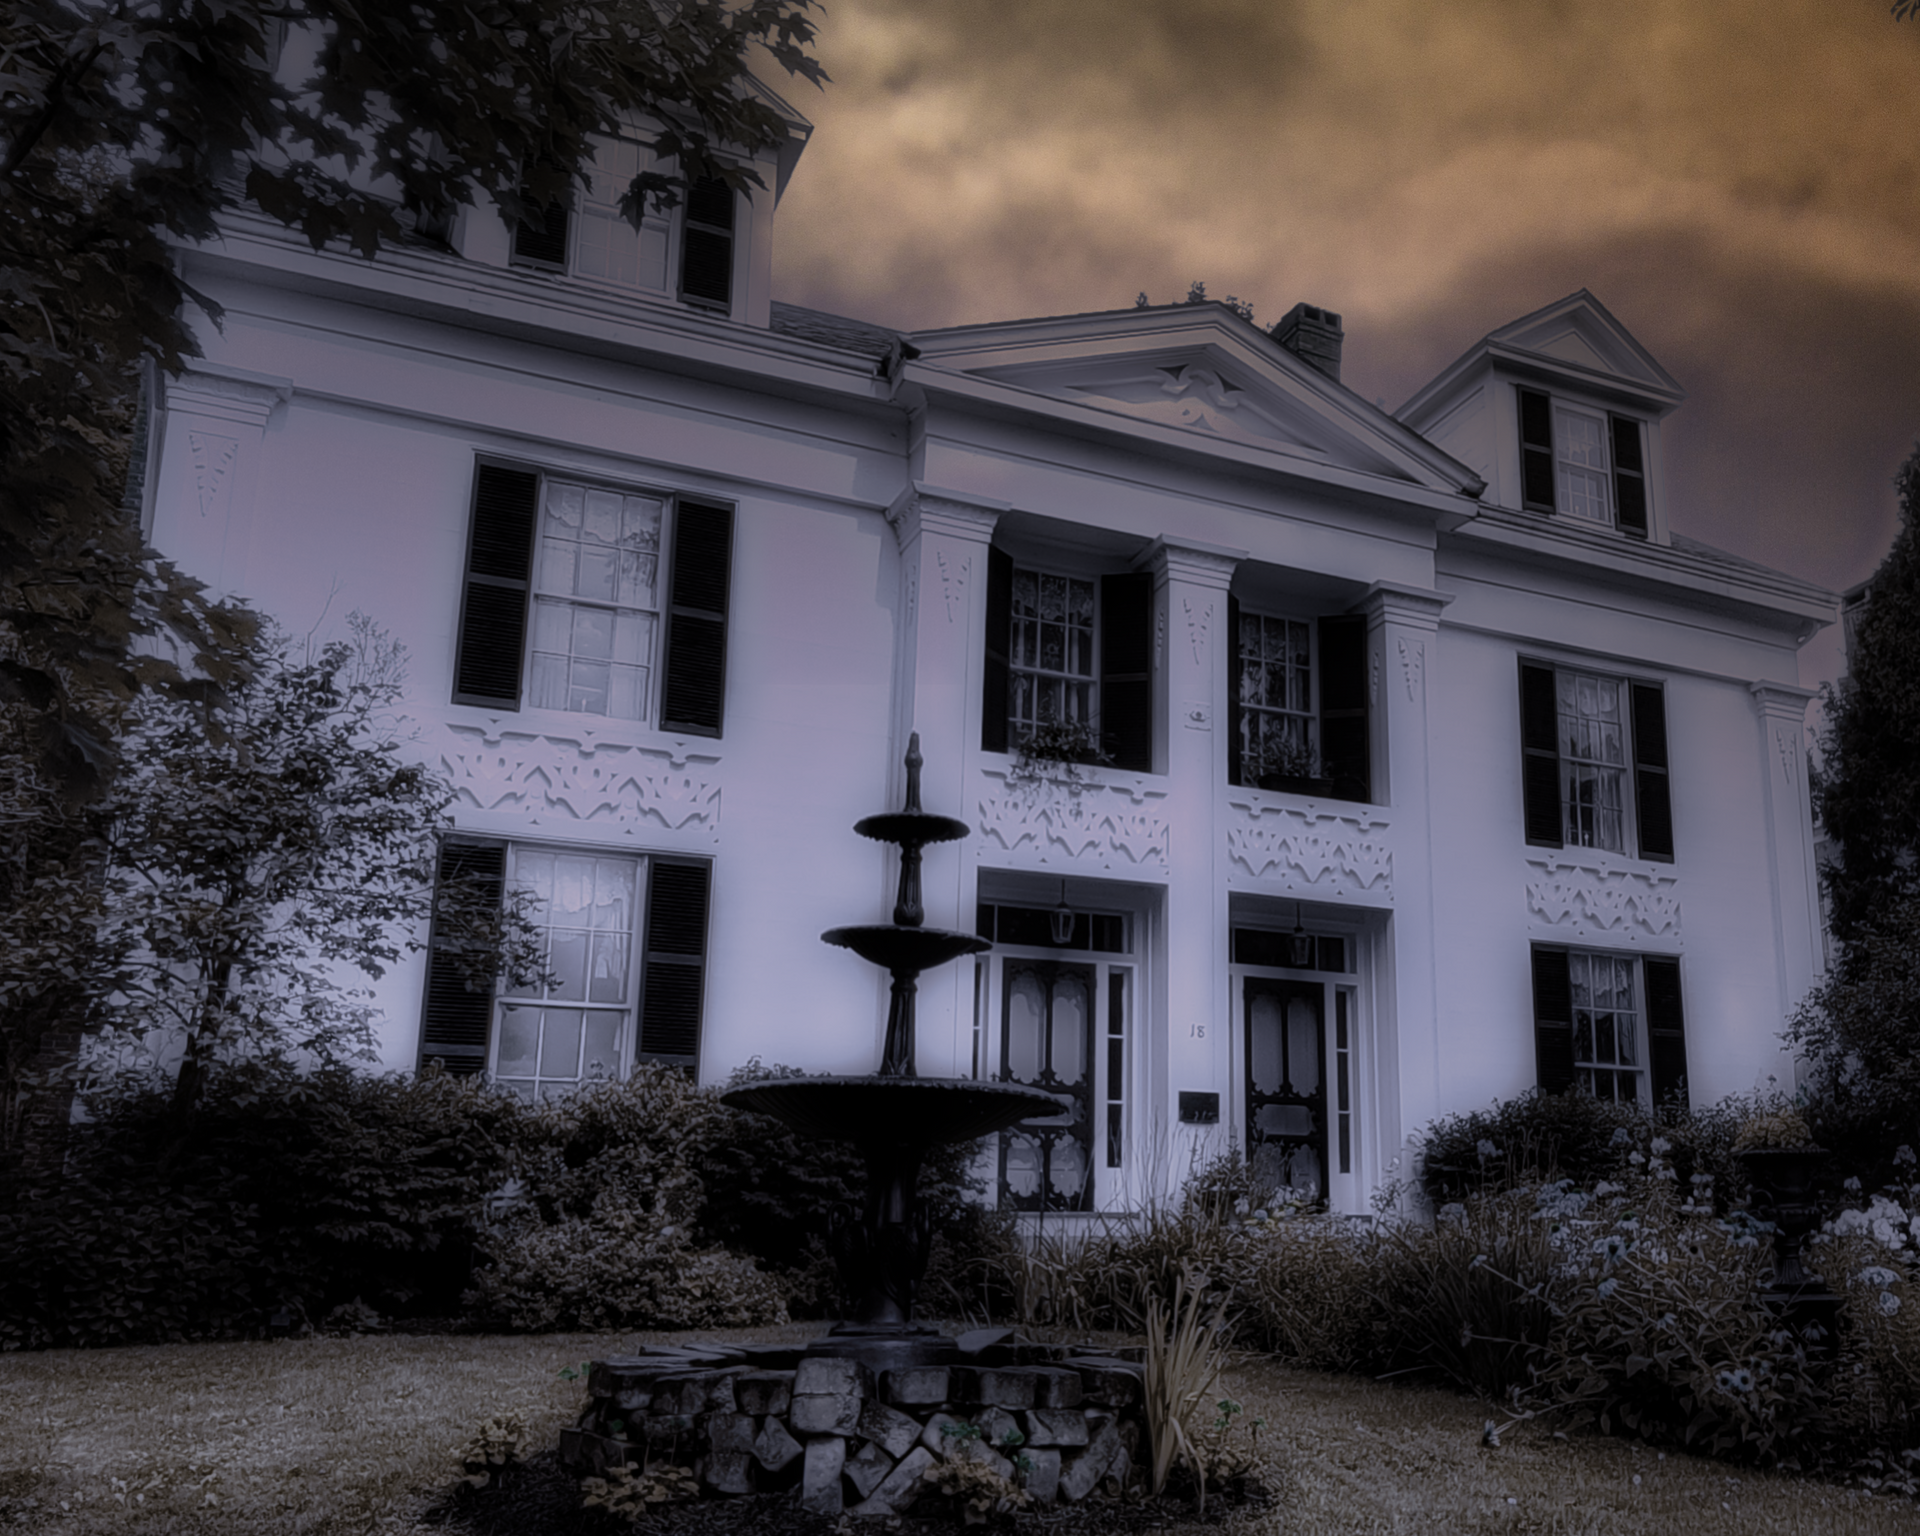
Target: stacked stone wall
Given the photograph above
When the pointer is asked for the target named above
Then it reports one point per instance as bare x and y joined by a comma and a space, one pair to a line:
1057, 1420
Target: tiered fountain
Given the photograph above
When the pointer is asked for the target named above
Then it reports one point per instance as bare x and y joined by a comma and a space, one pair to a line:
894, 1116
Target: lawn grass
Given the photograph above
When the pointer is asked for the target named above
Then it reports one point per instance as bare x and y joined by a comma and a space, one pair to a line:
326, 1437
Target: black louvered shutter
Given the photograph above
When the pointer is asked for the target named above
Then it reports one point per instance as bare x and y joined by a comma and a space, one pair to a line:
1345, 752
1236, 746
993, 686
706, 244
1629, 475
1652, 795
676, 959
493, 609
693, 697
1536, 451
1552, 1020
1666, 1032
458, 1012
1126, 670
544, 242
1540, 756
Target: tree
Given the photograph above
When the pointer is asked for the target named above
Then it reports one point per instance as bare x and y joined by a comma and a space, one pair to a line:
1867, 785
1860, 1029
129, 126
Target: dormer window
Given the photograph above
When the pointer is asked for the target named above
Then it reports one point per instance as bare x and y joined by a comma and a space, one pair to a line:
686, 251
1582, 463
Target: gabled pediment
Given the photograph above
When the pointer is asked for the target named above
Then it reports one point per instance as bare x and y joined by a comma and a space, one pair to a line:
1193, 375
1574, 341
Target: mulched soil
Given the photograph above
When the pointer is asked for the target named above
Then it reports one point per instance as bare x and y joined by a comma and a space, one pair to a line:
540, 1499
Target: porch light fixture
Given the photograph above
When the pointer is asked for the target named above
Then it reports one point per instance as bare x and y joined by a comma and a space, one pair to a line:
1301, 942
1060, 919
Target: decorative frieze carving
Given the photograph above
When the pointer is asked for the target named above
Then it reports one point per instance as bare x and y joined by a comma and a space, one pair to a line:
579, 777
1603, 898
1199, 618
1325, 852
1413, 664
1788, 743
213, 458
1111, 825
954, 570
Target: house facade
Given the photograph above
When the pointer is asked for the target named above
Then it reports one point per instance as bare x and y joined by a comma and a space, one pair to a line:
1422, 761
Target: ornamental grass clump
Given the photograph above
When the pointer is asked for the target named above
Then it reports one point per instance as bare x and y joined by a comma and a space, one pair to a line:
1183, 1360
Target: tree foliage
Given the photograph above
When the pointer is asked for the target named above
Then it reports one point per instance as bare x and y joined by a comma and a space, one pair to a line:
1867, 787
130, 126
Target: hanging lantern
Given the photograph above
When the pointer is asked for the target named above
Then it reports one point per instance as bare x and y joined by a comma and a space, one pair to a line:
1301, 942
1061, 918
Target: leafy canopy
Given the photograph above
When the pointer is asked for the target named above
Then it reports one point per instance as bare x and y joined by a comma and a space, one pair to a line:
127, 126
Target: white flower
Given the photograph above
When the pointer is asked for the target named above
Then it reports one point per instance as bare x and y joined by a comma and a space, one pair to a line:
1620, 1137
1659, 1146
1607, 1287
1903, 1155
1486, 1148
1889, 1303
1635, 1158
1848, 1224
1877, 1274
1603, 1189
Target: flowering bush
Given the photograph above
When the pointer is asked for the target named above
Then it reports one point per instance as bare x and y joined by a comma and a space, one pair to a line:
1870, 1255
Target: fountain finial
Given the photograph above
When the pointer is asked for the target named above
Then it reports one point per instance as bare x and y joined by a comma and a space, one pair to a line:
914, 761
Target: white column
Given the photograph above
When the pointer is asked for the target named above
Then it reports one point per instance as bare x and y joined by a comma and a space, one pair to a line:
944, 538
1187, 1027
1402, 635
1799, 960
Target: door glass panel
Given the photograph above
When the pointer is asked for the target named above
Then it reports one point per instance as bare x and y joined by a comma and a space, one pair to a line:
1303, 1044
1047, 1042
1284, 1094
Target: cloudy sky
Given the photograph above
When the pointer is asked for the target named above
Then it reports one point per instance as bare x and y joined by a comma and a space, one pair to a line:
1737, 180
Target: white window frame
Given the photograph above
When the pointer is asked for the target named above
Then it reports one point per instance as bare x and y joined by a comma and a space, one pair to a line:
1299, 725
1583, 488
541, 998
1018, 729
580, 605
1583, 762
1585, 1068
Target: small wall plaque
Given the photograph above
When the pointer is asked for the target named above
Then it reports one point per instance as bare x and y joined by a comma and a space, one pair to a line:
1199, 1108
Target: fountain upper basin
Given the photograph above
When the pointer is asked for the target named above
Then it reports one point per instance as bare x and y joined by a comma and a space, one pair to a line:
906, 949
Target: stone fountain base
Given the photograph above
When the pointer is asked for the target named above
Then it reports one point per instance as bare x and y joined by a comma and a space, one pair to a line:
1060, 1420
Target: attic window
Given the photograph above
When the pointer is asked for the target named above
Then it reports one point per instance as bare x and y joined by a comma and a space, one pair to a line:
1578, 462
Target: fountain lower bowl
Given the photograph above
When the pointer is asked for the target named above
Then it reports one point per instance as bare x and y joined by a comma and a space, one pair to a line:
896, 1111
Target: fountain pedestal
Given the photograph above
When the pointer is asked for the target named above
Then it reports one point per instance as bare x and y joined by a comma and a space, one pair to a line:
894, 1116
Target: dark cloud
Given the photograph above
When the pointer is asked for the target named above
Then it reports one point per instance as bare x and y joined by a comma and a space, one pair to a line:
1739, 183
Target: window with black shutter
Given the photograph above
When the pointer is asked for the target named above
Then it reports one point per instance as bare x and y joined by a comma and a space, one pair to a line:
1346, 752
1552, 1020
542, 242
1297, 703
994, 684
1666, 1032
706, 244
457, 1012
493, 608
694, 694
1536, 451
1594, 749
1126, 670
675, 962
1629, 476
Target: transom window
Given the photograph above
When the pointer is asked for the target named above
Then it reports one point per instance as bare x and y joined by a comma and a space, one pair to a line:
1051, 663
1607, 1058
1593, 759
595, 609
1278, 731
573, 1027
1583, 470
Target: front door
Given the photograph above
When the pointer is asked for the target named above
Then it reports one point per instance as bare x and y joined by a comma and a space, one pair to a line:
1286, 1084
1046, 1041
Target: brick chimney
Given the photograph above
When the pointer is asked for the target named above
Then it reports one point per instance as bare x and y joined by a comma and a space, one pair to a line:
1312, 335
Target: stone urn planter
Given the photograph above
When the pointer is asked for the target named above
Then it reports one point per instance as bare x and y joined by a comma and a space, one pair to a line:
1785, 1184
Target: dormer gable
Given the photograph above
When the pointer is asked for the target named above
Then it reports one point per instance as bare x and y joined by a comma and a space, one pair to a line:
1559, 411
1190, 378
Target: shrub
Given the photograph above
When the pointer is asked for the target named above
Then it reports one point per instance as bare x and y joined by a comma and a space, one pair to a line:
291, 1192
1305, 1295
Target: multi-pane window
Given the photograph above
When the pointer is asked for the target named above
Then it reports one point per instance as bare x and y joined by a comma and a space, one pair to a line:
1278, 735
606, 246
1607, 1056
575, 1023
1583, 471
595, 608
1051, 660
1593, 759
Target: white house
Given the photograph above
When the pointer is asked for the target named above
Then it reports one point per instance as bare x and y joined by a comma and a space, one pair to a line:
1440, 765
